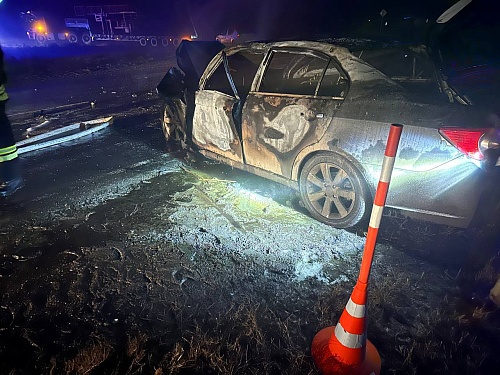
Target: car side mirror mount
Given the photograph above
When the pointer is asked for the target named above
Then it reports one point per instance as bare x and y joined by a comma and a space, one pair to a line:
172, 85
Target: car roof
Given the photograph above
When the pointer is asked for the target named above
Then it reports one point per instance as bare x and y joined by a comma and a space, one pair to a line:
356, 68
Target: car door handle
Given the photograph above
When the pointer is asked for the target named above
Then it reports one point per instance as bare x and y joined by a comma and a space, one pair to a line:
273, 133
311, 116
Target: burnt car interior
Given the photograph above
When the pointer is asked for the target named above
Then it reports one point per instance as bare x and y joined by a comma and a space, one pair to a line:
410, 66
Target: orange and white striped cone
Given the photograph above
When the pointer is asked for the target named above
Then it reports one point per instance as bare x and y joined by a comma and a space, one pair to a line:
344, 348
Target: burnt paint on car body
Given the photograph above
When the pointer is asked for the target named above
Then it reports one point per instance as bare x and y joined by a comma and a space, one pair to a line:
217, 130
295, 118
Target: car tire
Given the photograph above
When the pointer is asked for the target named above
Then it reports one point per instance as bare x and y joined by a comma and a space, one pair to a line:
170, 126
333, 190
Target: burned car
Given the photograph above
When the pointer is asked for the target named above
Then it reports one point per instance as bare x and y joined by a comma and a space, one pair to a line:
315, 117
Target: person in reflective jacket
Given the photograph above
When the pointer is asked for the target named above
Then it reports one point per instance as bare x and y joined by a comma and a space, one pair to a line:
10, 170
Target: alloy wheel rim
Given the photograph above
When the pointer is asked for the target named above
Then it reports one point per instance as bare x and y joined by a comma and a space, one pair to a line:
330, 191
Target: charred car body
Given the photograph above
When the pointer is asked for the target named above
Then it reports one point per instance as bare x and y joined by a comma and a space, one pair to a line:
315, 117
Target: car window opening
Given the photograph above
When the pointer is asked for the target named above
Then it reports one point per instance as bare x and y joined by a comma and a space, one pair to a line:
235, 79
298, 73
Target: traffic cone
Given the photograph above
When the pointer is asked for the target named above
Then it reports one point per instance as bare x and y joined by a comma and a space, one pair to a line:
344, 348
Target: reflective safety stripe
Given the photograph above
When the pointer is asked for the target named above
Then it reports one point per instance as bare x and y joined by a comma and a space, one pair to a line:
7, 150
376, 216
3, 93
349, 340
387, 166
355, 310
8, 153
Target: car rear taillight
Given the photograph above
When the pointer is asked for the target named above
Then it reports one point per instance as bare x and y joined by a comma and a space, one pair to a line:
466, 140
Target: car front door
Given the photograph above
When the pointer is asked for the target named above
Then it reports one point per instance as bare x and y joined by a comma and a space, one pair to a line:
214, 127
291, 107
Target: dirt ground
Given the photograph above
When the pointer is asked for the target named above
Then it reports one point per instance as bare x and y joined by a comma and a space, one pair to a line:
208, 270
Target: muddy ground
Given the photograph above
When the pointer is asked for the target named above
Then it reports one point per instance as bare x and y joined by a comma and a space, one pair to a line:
208, 270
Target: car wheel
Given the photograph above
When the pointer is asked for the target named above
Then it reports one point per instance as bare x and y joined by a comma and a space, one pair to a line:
333, 190
170, 126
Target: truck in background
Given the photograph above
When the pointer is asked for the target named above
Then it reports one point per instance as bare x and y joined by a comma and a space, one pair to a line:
97, 23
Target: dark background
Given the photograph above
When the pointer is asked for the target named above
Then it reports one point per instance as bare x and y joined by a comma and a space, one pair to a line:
471, 38
266, 18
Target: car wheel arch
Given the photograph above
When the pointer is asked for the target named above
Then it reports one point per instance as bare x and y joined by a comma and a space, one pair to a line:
332, 151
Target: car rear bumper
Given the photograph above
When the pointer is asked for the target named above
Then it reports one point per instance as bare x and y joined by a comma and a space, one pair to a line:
449, 194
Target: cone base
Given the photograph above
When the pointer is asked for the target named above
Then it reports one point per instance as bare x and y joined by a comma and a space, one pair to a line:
330, 363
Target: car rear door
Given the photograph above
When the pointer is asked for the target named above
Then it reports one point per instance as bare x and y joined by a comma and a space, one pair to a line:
294, 101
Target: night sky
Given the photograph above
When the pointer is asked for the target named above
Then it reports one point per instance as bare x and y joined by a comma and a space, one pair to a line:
266, 18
